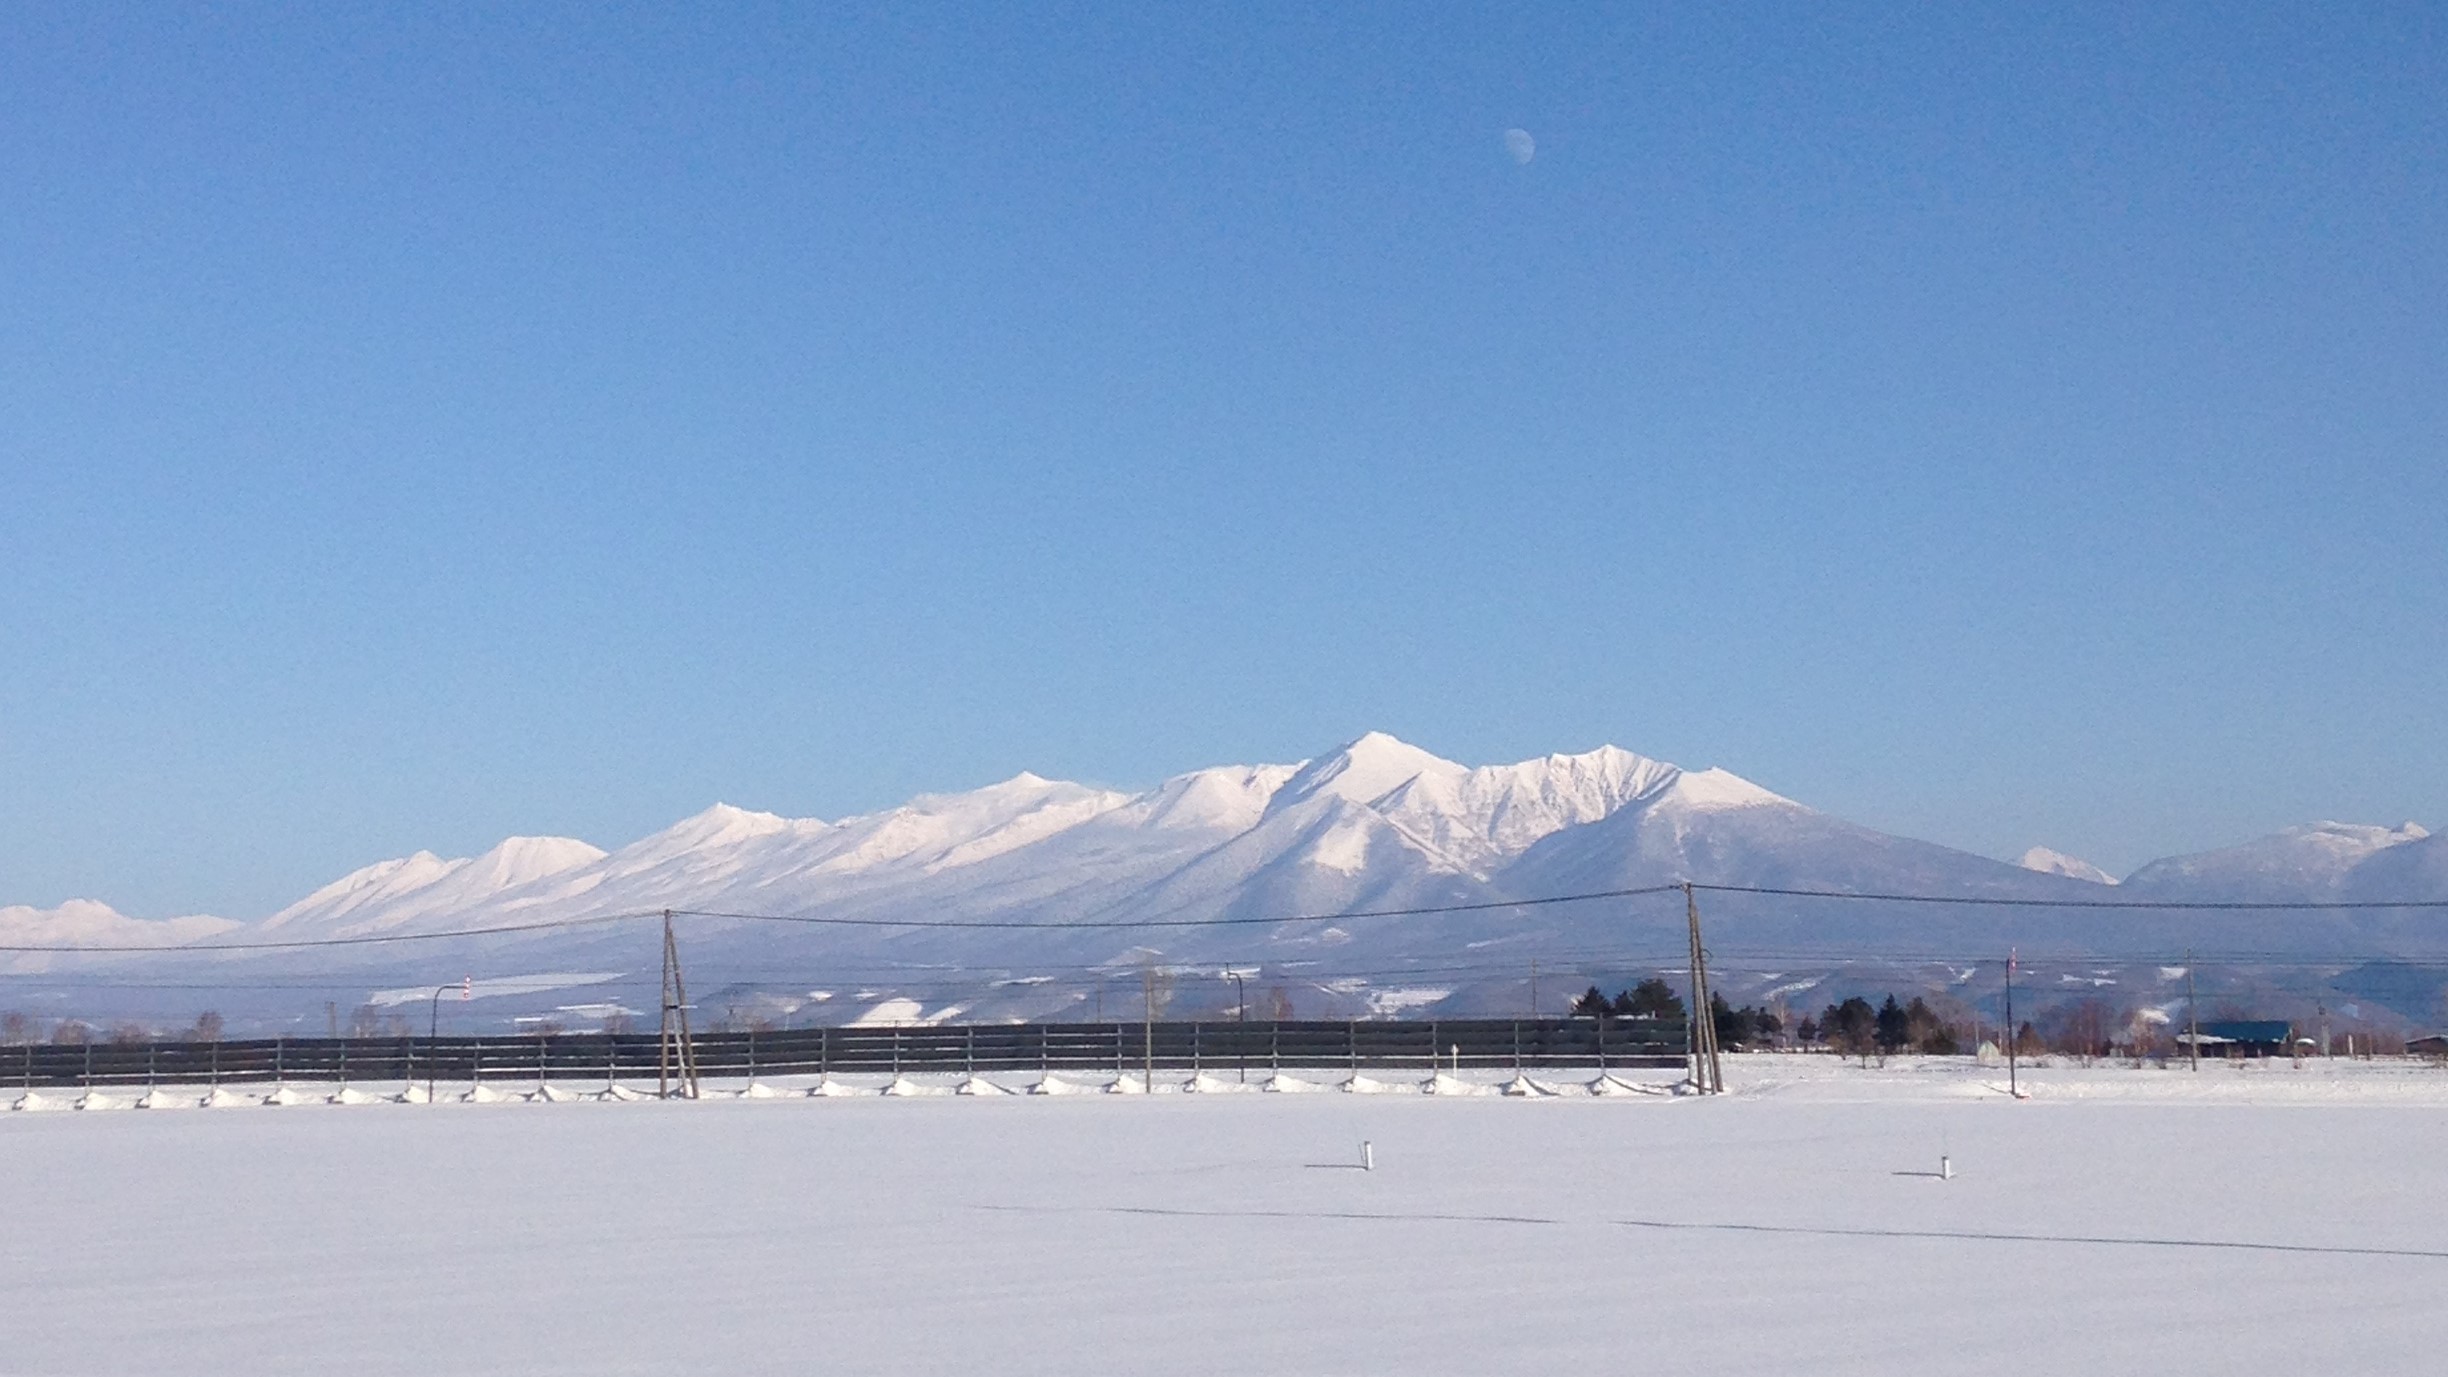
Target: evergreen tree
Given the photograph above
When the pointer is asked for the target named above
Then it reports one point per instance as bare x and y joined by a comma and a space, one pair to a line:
1652, 998
1851, 1028
1894, 1027
1591, 1004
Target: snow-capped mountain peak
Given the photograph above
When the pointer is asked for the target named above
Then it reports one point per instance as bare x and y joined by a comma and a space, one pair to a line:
1363, 772
2048, 862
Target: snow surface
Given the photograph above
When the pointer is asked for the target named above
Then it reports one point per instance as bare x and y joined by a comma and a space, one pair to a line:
2258, 1220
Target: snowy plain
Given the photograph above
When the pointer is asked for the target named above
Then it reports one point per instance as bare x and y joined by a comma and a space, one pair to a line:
2262, 1219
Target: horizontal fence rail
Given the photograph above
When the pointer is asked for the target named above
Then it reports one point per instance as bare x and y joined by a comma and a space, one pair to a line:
1417, 1046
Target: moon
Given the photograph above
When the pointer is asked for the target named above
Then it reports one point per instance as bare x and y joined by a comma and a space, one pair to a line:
1519, 146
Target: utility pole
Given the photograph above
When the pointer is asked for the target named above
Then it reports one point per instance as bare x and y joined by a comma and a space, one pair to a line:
1534, 987
1708, 1077
676, 1056
2192, 1015
1147, 1045
2012, 1088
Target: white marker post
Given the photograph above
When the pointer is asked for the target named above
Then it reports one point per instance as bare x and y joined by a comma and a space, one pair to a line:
1368, 1155
1946, 1167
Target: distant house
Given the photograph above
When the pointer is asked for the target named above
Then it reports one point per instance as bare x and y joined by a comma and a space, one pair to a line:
2435, 1045
2259, 1037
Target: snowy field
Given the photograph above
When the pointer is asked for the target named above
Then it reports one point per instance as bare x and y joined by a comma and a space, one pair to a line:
2262, 1220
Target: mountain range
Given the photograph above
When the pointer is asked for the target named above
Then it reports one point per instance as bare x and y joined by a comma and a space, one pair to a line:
981, 897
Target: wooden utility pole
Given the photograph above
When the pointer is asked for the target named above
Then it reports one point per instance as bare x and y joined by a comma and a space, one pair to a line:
676, 1058
2012, 1088
1708, 1077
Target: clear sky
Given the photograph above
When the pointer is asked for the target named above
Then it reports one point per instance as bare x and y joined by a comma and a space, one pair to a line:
428, 424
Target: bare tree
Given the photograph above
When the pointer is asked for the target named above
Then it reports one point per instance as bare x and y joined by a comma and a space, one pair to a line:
16, 1028
207, 1027
69, 1032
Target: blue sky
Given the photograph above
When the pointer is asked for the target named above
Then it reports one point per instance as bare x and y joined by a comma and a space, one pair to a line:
419, 427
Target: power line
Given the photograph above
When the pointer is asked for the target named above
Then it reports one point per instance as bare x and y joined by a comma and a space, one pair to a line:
1153, 924
2170, 905
1102, 925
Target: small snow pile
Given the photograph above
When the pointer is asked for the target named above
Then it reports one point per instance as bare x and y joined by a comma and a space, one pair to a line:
1058, 1085
1126, 1085
758, 1090
33, 1102
162, 1098
1209, 1083
1281, 1084
95, 1099
553, 1094
905, 1086
1444, 1084
1364, 1085
1522, 1087
350, 1094
223, 1097
979, 1085
831, 1088
1612, 1084
288, 1095
625, 1095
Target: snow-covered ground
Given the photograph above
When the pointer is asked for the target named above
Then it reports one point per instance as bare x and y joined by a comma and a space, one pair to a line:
2257, 1220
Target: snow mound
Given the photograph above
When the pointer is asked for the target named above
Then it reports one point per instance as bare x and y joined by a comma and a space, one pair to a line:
1367, 1085
287, 1095
759, 1090
1444, 1084
159, 1098
32, 1102
95, 1099
352, 1095
905, 1086
553, 1094
225, 1098
485, 1094
1281, 1084
835, 1088
979, 1085
1209, 1083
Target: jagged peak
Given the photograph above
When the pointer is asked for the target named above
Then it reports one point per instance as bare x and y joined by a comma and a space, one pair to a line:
1364, 770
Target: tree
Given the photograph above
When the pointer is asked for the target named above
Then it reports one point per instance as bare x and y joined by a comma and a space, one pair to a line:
16, 1027
1851, 1028
1652, 998
1743, 1027
1894, 1027
1807, 1030
1926, 1032
207, 1027
1591, 1004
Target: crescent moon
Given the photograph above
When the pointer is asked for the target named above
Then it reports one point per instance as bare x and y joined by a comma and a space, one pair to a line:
1520, 146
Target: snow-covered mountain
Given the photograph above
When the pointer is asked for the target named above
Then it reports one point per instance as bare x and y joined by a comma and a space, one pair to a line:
1375, 824
2311, 862
2048, 862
